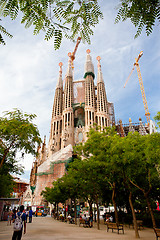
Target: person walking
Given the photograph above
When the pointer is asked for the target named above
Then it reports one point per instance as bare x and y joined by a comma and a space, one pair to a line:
30, 215
10, 217
27, 213
91, 219
19, 222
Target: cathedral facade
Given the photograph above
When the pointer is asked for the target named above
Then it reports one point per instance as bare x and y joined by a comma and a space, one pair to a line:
78, 105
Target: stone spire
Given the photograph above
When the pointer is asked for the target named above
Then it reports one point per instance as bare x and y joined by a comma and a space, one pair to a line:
68, 119
142, 130
122, 133
102, 117
90, 99
44, 151
131, 128
69, 69
89, 68
60, 82
99, 76
56, 121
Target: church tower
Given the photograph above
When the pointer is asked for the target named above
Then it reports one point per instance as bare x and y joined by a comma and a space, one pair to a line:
90, 100
77, 106
102, 115
68, 118
56, 121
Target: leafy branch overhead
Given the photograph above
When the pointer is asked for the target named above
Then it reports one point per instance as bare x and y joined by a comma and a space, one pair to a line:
70, 18
142, 13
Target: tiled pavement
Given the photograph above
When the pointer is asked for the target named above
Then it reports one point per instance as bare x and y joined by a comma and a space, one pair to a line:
46, 228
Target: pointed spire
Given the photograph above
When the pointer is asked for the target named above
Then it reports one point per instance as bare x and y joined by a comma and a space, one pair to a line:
100, 76
131, 128
142, 130
88, 65
44, 139
60, 83
69, 70
122, 133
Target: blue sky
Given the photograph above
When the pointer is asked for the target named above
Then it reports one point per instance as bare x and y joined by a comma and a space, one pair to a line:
29, 69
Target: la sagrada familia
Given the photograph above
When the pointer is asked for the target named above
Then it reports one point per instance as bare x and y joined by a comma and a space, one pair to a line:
77, 107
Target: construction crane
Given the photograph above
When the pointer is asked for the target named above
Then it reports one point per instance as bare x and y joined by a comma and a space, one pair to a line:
147, 114
72, 55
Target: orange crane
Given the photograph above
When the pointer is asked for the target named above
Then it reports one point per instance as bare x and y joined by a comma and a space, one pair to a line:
72, 55
147, 114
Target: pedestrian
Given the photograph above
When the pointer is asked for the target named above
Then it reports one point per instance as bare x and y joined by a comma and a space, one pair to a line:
19, 222
27, 213
30, 215
111, 219
10, 217
36, 212
91, 219
14, 214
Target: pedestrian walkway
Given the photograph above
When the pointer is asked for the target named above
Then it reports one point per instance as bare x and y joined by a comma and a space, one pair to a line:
46, 228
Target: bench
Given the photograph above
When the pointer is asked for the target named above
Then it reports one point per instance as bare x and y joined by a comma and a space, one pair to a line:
118, 227
84, 222
139, 224
157, 232
70, 220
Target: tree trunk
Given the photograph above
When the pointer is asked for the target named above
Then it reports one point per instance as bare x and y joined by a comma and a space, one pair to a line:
150, 209
75, 211
98, 227
90, 206
6, 151
94, 213
57, 212
134, 216
148, 203
65, 210
114, 202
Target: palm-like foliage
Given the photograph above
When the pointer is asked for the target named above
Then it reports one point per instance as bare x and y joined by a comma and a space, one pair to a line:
142, 13
69, 17
4, 31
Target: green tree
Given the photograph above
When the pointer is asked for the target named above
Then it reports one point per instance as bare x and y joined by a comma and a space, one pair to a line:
70, 18
101, 145
11, 166
71, 186
88, 178
6, 184
142, 153
56, 194
17, 133
157, 118
119, 157
142, 13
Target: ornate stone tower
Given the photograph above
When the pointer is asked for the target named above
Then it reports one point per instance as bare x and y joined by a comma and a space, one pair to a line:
90, 100
78, 107
102, 116
55, 139
68, 119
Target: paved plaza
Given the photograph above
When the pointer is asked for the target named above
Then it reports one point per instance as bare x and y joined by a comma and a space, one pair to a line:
46, 228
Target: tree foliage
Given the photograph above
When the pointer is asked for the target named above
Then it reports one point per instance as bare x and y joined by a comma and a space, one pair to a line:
107, 162
157, 118
5, 32
142, 13
17, 133
70, 18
